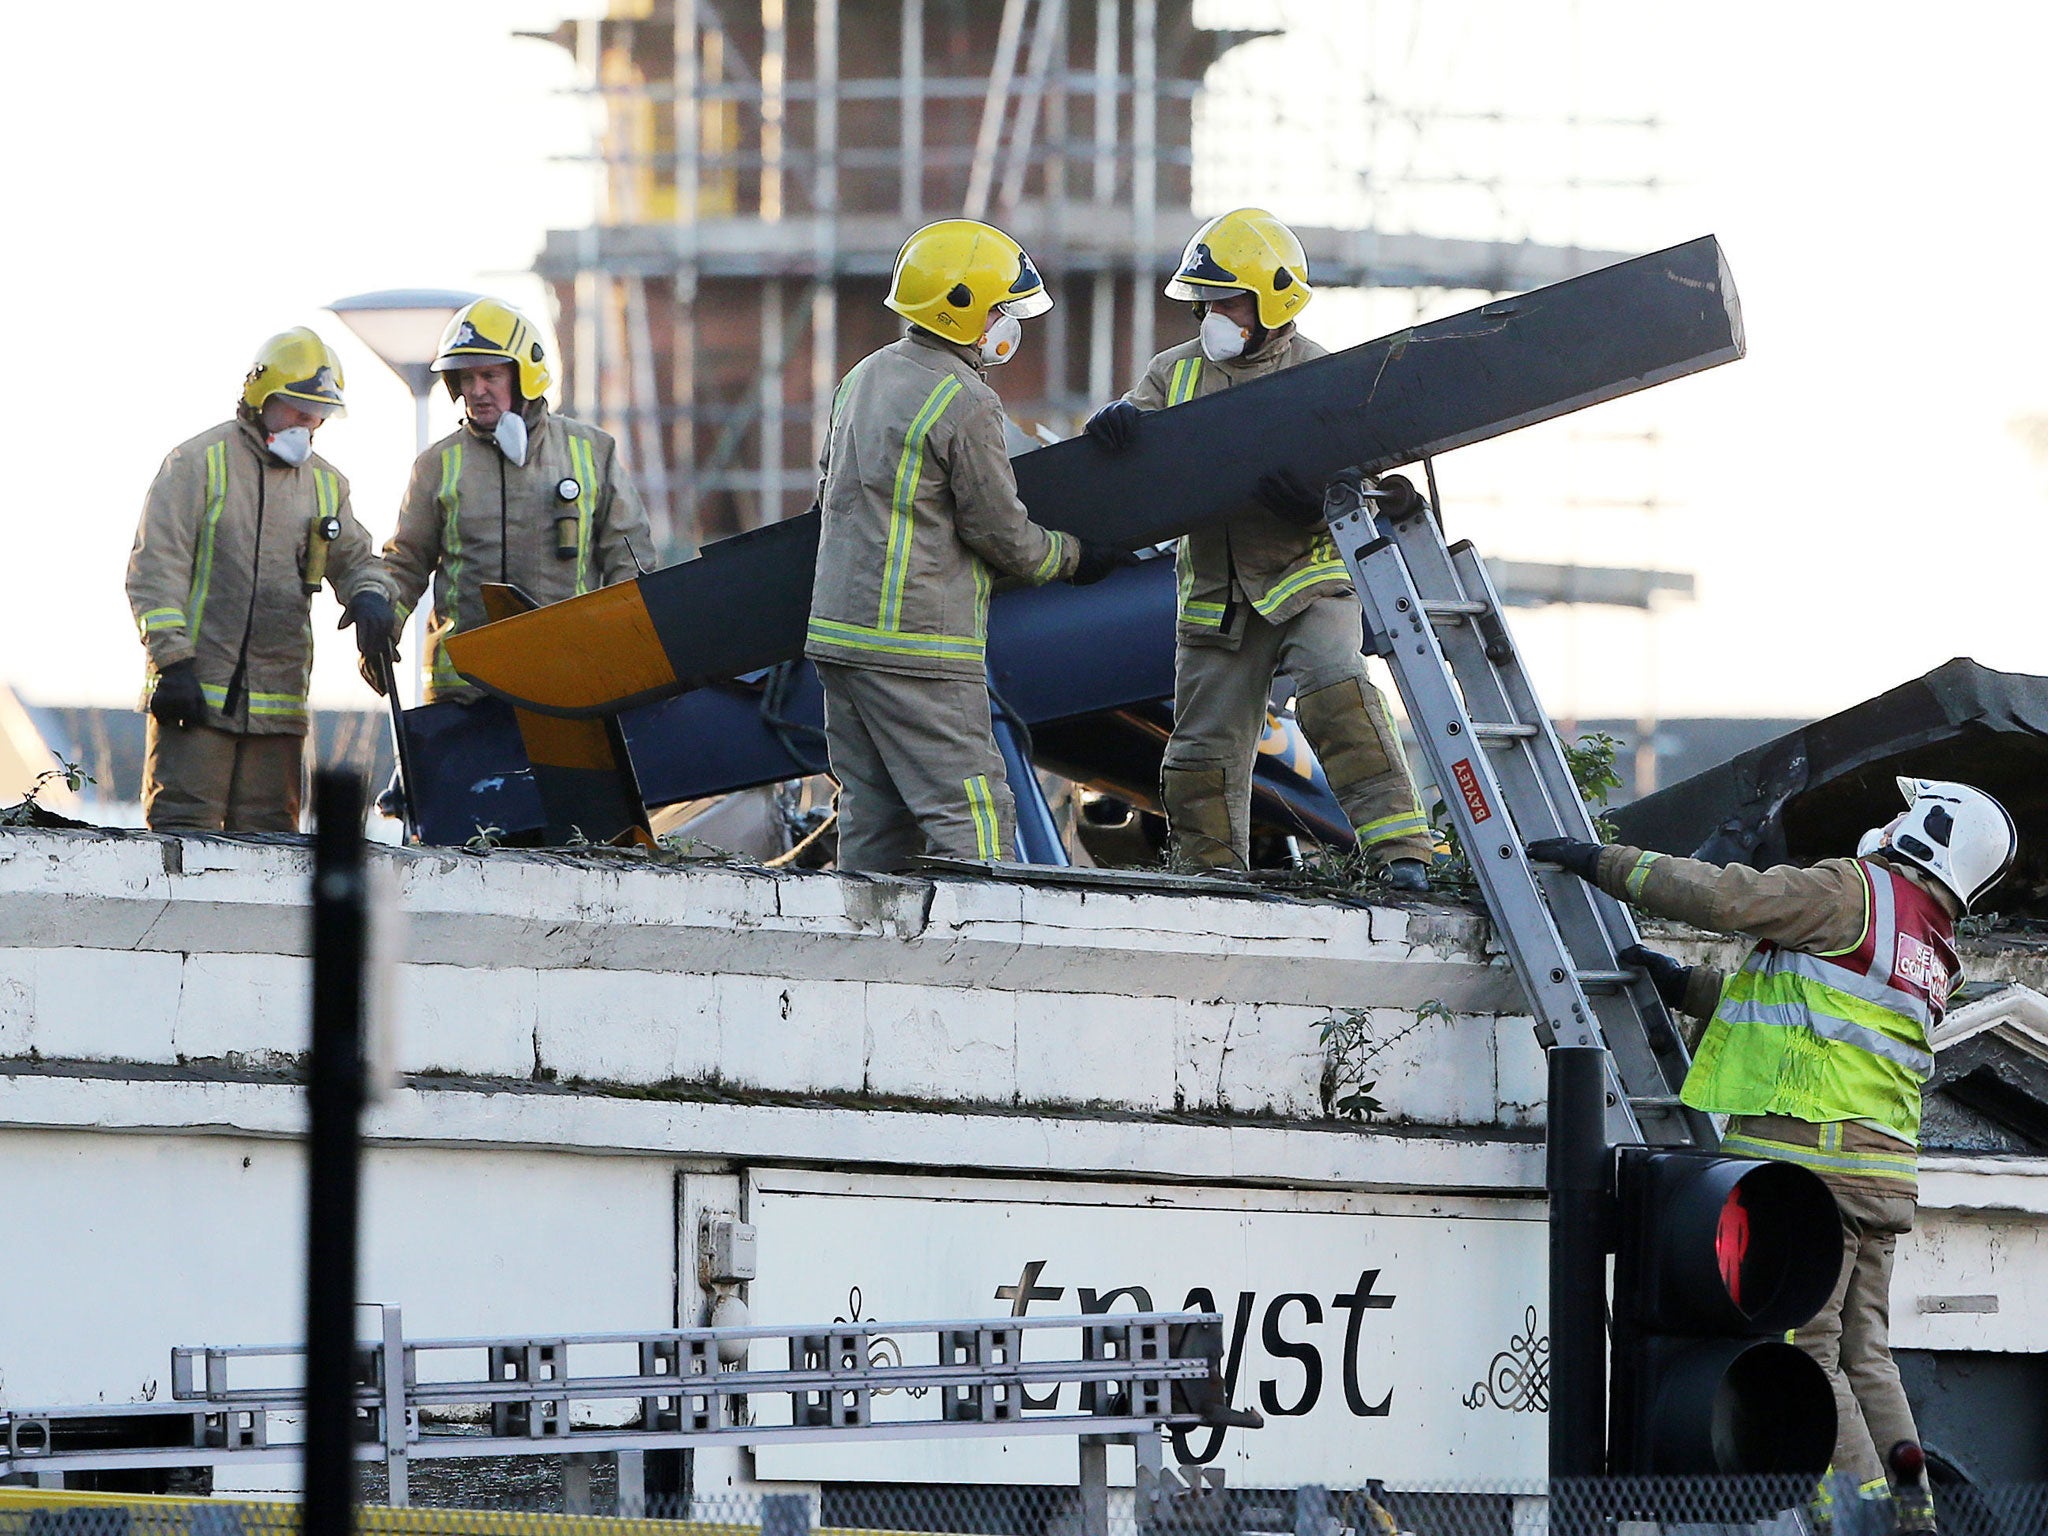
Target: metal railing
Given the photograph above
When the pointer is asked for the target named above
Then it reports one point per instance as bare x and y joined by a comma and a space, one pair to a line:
576, 1395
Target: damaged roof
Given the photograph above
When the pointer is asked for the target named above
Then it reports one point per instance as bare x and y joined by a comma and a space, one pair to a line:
1810, 793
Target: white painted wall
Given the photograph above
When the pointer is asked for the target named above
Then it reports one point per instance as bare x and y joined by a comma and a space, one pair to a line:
1112, 1074
169, 952
1365, 1327
120, 1247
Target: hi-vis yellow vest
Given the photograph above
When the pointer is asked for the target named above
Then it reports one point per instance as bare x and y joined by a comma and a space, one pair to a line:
1839, 1036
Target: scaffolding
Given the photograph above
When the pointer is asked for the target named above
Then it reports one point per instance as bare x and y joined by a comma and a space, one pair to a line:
761, 162
1518, 127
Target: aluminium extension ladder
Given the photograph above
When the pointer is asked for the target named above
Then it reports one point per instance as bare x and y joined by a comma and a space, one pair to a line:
1432, 614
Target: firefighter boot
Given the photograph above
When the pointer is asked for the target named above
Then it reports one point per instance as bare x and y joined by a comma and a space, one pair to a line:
1209, 825
1913, 1496
1348, 725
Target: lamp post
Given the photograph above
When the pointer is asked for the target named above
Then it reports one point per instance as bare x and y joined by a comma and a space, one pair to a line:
403, 327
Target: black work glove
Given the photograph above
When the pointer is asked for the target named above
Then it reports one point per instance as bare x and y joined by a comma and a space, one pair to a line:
1290, 498
1397, 498
1571, 855
177, 699
1666, 974
1097, 561
1115, 426
371, 613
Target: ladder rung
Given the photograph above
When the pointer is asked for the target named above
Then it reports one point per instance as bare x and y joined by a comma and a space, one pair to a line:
1475, 669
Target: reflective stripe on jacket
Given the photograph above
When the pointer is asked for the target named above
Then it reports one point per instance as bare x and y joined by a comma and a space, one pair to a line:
1847, 1154
471, 516
1836, 1035
1254, 558
216, 574
920, 516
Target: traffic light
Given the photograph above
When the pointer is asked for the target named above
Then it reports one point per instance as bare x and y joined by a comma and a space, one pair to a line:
1716, 1259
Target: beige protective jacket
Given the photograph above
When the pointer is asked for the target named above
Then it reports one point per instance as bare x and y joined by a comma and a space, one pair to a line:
472, 516
920, 515
1255, 559
217, 570
1817, 909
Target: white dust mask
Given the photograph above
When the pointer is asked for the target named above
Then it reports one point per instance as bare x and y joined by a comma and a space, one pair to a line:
999, 342
294, 445
510, 436
1222, 338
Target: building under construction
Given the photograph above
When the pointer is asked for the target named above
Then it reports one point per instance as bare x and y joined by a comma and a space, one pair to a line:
762, 161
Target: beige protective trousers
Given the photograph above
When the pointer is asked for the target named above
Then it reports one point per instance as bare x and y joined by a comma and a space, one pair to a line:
1851, 1337
1219, 710
917, 766
198, 779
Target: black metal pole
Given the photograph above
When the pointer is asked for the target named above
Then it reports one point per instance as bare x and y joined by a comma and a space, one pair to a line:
1575, 1175
335, 1101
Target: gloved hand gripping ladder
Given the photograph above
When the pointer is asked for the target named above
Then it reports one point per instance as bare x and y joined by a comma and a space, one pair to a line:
1432, 614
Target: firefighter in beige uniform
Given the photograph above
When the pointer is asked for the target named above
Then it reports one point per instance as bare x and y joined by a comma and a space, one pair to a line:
920, 519
516, 494
240, 528
1818, 1047
1267, 591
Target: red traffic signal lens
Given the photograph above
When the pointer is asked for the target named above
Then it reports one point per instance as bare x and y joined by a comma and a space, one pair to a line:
1724, 1244
1731, 1242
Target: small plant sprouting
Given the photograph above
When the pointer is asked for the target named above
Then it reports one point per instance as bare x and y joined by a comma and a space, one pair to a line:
1591, 761
1350, 1047
73, 777
485, 840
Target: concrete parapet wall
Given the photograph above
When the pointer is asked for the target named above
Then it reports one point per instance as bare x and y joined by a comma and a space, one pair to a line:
617, 974
927, 1087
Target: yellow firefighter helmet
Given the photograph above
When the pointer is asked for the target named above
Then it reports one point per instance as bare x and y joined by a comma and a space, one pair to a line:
1246, 250
492, 331
300, 366
949, 275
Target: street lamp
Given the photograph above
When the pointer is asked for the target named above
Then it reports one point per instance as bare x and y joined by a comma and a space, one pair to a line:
403, 327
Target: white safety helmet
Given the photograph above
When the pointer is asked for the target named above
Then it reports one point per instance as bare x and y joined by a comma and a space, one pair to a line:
1953, 833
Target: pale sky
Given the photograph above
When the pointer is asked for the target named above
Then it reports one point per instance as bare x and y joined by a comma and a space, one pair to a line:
185, 180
